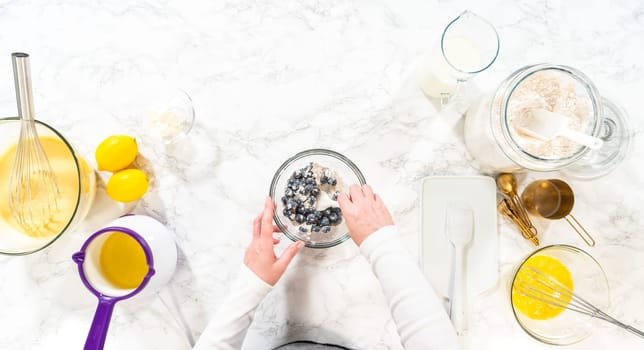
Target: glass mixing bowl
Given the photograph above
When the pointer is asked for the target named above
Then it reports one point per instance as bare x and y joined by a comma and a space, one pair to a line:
589, 282
78, 177
348, 174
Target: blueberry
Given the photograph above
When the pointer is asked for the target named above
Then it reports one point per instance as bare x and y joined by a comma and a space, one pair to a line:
310, 219
316, 228
324, 179
327, 211
289, 192
325, 221
335, 196
297, 174
308, 189
302, 191
298, 201
309, 181
311, 200
318, 214
315, 191
336, 210
299, 218
339, 221
303, 229
295, 186
286, 212
333, 182
333, 217
291, 205
326, 229
284, 200
301, 209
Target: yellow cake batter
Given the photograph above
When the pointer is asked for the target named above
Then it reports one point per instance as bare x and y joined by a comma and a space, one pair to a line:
64, 168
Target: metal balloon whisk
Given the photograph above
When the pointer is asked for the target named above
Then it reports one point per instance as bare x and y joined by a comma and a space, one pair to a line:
33, 190
548, 290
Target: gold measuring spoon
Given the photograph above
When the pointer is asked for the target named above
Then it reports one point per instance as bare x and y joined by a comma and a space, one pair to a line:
554, 199
507, 183
504, 208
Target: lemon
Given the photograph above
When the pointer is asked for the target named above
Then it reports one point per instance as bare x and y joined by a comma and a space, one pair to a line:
116, 152
127, 185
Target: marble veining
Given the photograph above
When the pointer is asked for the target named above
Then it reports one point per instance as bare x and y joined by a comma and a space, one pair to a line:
269, 79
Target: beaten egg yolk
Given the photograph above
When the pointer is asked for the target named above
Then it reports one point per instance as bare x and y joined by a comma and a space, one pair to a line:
531, 307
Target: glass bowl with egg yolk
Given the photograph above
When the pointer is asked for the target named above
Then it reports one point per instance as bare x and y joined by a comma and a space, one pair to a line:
76, 184
571, 267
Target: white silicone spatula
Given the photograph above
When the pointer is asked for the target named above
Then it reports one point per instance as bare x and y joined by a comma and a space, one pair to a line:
546, 125
459, 228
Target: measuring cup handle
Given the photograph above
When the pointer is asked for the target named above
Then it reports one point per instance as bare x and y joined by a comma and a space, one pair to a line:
572, 221
100, 324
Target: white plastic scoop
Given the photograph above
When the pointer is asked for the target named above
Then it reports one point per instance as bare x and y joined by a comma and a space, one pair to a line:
459, 228
546, 125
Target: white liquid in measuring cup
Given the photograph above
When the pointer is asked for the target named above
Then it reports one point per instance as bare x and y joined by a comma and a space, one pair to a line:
440, 77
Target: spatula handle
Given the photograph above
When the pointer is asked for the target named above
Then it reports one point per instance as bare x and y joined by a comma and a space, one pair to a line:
457, 305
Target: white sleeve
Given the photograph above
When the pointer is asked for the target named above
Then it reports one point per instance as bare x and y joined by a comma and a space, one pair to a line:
227, 329
421, 320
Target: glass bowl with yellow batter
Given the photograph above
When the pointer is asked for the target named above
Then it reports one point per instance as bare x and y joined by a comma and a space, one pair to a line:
76, 184
572, 268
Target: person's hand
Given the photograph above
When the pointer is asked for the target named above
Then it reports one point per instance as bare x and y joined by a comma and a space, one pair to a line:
364, 212
260, 256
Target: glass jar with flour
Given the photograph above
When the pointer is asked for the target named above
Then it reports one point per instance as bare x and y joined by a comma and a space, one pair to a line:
514, 129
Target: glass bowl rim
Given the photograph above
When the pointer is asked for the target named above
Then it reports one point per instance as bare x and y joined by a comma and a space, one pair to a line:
293, 159
540, 250
78, 197
514, 80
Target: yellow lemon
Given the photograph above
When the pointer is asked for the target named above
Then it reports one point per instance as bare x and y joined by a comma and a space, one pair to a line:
116, 152
127, 185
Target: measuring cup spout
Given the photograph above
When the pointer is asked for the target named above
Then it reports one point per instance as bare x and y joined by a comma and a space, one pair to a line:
100, 324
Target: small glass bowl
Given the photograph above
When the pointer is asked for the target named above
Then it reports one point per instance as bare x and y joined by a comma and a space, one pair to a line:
589, 282
346, 170
169, 116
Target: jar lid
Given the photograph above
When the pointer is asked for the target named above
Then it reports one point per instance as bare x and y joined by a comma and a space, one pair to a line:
557, 89
616, 134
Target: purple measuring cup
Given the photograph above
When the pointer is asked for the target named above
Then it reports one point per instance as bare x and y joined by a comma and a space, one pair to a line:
161, 257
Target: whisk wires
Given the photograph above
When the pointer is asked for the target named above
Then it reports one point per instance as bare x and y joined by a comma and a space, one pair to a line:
548, 290
32, 185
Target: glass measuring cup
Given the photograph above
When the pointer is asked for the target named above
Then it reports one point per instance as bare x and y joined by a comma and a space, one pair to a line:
469, 45
151, 238
554, 199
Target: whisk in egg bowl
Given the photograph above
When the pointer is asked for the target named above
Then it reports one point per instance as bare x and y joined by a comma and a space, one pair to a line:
76, 187
541, 294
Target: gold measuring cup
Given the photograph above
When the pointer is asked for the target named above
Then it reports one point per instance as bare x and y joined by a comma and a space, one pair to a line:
554, 199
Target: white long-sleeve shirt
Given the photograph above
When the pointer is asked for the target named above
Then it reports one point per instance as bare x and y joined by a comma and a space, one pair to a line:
419, 317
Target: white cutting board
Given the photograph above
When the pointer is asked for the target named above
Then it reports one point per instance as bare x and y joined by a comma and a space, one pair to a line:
436, 251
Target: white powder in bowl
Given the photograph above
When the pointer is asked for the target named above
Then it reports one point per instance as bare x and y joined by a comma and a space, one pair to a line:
550, 91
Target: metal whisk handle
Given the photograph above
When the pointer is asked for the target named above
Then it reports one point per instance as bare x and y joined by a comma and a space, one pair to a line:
634, 331
23, 85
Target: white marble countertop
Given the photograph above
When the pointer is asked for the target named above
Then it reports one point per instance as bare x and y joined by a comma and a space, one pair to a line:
269, 79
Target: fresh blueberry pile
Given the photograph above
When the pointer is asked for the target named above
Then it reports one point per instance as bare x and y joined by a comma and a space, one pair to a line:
300, 198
